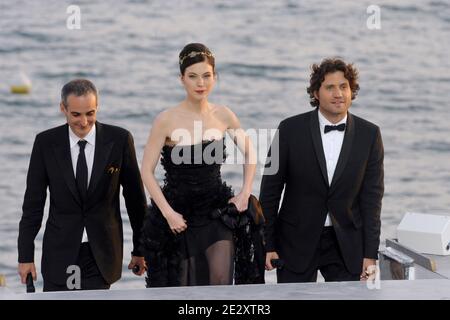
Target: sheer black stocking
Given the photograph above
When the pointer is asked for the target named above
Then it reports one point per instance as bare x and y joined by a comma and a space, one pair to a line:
220, 256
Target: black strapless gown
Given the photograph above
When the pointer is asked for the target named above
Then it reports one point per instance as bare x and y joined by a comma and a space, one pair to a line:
194, 188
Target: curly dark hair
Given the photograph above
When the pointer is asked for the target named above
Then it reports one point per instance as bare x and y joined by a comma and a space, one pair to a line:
330, 65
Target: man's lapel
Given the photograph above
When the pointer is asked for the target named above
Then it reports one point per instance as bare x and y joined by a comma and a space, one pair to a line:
103, 148
64, 160
317, 141
345, 150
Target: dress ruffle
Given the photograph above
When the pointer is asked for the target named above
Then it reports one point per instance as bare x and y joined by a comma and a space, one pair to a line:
194, 189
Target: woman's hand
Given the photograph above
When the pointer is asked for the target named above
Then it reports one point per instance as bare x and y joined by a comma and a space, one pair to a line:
176, 222
240, 201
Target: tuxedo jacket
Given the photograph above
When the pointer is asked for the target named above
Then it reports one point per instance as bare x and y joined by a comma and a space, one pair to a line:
51, 167
353, 199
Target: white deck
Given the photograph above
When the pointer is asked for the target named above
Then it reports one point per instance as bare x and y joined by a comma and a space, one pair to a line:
389, 289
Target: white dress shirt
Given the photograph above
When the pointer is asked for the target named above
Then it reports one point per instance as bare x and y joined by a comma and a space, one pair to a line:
332, 144
89, 151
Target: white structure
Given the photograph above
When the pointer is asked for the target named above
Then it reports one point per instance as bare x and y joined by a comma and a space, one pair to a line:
426, 233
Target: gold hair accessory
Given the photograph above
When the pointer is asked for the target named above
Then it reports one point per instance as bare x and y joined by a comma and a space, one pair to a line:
193, 54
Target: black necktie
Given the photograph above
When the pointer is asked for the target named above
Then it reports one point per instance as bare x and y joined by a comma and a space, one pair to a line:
339, 127
82, 171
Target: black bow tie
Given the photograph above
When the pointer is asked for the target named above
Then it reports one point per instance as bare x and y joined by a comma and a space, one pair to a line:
339, 127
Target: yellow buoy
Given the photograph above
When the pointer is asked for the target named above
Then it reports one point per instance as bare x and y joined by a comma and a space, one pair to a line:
21, 89
2, 281
22, 84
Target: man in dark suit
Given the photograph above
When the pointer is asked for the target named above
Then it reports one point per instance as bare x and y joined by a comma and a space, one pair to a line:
331, 169
82, 163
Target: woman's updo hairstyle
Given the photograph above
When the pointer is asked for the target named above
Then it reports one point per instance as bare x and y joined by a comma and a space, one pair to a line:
194, 53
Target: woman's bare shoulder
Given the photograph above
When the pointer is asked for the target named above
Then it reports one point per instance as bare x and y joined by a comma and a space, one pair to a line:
167, 116
221, 111
221, 108
226, 115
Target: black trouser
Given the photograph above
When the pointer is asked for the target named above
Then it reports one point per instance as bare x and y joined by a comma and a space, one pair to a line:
327, 258
91, 278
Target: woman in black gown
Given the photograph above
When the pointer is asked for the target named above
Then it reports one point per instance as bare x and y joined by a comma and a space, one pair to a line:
184, 244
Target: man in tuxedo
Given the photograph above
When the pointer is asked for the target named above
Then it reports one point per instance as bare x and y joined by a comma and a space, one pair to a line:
82, 163
331, 170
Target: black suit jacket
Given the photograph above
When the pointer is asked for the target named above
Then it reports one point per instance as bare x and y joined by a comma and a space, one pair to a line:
51, 167
353, 199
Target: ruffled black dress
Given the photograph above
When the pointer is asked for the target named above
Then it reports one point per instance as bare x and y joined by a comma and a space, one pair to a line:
194, 188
